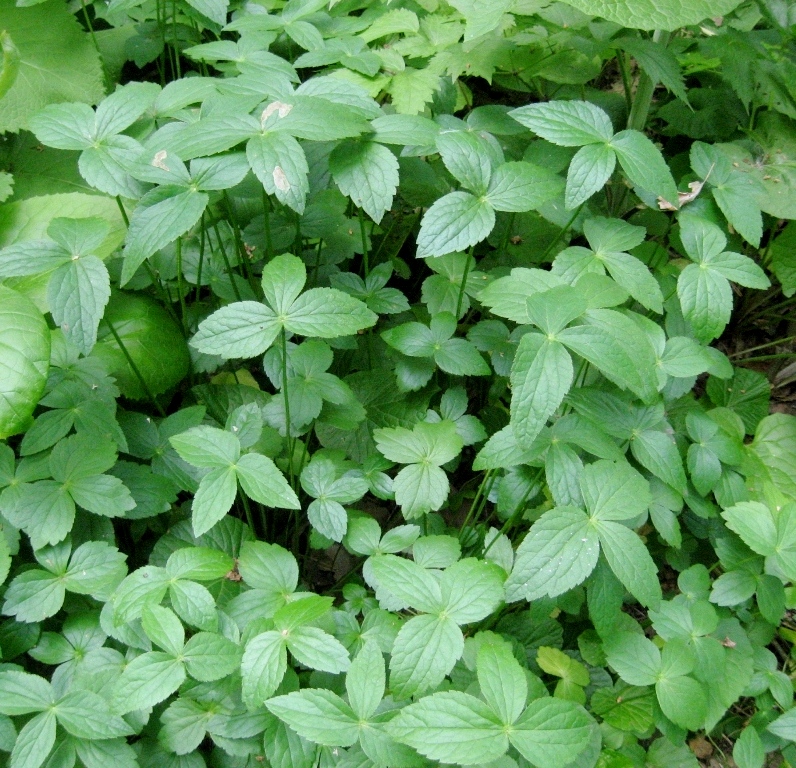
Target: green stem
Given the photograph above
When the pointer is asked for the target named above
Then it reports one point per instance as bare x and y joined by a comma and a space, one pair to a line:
134, 367
562, 233
269, 246
227, 265
180, 286
201, 260
475, 502
283, 342
174, 45
242, 255
642, 101
248, 510
763, 346
517, 512
90, 28
463, 286
622, 62
365, 255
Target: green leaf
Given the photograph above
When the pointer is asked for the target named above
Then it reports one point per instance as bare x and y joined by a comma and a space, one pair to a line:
706, 299
412, 584
366, 172
420, 488
162, 215
452, 727
23, 693
454, 223
77, 294
263, 482
278, 161
366, 680
268, 566
209, 656
658, 61
428, 443
57, 62
85, 715
151, 338
519, 186
683, 700
566, 123
631, 561
643, 164
617, 346
748, 751
636, 659
541, 376
557, 554
262, 668
216, 494
208, 447
552, 732
471, 590
34, 596
467, 156
34, 741
502, 681
657, 452
199, 564
163, 628
318, 650
147, 680
242, 329
589, 170
755, 524
650, 14
24, 360
425, 651
317, 715
327, 313
614, 491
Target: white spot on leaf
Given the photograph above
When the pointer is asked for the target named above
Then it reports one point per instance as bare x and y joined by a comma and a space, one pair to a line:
159, 160
280, 180
275, 106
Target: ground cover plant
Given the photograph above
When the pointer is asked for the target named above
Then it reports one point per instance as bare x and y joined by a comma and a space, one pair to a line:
397, 383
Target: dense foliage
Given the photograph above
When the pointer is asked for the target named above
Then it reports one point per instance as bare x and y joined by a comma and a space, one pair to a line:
363, 397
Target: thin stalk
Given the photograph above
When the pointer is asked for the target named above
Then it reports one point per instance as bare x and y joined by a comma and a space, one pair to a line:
269, 246
760, 358
244, 258
201, 260
248, 510
134, 367
283, 342
180, 286
227, 265
463, 286
622, 62
475, 502
763, 346
90, 28
517, 512
642, 100
365, 255
177, 68
562, 233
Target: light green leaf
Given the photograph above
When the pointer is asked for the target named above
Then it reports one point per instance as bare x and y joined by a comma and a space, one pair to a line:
589, 170
22, 693
209, 656
755, 524
552, 732
57, 62
412, 584
748, 751
452, 727
541, 376
317, 715
262, 668
566, 123
85, 715
318, 650
24, 360
502, 681
205, 446
263, 482
163, 628
216, 493
454, 223
520, 186
366, 172
425, 651
420, 488
557, 554
614, 491
278, 161
242, 329
327, 313
34, 596
643, 164
636, 659
631, 561
471, 590
162, 215
683, 700
366, 680
34, 741
654, 14
147, 680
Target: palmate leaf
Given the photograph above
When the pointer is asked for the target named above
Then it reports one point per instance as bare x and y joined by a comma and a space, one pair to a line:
654, 14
